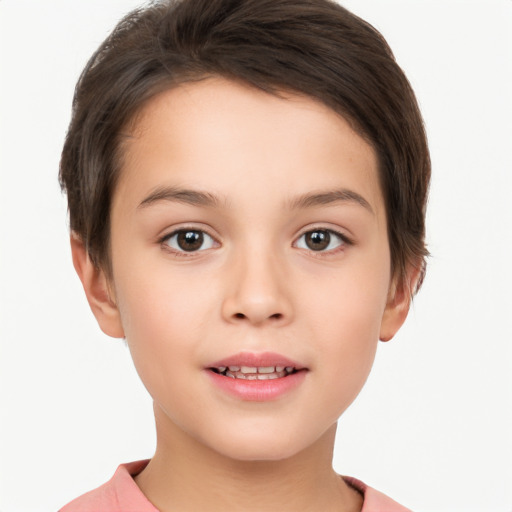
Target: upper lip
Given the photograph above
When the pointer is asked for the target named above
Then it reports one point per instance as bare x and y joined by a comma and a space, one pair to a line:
262, 359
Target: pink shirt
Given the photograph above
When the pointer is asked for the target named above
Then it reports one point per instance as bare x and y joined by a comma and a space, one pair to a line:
121, 494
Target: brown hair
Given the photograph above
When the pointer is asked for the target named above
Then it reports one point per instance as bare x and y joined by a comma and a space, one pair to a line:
313, 47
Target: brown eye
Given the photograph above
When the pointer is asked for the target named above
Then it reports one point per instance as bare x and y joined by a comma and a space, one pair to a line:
189, 240
317, 240
320, 240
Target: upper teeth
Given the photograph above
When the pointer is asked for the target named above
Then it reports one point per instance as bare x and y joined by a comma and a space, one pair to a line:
255, 372
257, 369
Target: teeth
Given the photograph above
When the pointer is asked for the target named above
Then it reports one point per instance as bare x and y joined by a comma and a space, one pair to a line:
257, 369
256, 376
255, 372
249, 369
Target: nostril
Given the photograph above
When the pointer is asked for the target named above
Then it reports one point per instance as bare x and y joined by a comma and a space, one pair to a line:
275, 316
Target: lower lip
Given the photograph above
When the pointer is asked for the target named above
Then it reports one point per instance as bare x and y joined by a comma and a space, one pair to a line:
258, 390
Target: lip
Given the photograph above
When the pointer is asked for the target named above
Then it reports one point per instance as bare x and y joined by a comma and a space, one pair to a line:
257, 359
257, 390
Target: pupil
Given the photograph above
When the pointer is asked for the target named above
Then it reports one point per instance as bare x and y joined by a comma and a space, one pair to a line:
318, 240
190, 240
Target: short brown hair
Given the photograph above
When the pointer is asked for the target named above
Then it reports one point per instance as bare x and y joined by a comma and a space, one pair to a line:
313, 47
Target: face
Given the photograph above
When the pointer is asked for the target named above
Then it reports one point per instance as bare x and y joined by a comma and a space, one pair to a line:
251, 267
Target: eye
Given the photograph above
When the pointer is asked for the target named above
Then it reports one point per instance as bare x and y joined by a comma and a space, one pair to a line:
321, 240
189, 240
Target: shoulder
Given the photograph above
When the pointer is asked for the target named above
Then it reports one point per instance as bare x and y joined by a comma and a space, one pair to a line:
119, 493
374, 501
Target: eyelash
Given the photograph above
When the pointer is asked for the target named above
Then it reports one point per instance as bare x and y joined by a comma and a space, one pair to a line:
164, 241
344, 241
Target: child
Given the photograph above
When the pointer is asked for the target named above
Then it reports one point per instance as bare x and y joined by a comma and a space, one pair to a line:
247, 184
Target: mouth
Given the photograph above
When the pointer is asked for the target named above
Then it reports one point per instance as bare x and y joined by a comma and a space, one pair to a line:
256, 366
259, 377
254, 372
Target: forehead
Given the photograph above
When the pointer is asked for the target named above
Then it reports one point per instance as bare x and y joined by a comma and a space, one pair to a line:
216, 132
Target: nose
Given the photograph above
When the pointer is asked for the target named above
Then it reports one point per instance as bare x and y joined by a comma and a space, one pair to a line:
258, 292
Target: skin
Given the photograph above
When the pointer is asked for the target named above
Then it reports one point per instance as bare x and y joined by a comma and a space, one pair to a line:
254, 286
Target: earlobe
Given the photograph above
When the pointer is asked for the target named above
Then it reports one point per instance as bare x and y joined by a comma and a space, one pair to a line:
97, 291
398, 304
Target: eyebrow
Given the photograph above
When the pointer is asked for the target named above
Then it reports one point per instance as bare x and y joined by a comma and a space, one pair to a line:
207, 199
328, 197
181, 195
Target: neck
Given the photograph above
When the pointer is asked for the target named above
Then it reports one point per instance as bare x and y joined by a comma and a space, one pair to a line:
186, 475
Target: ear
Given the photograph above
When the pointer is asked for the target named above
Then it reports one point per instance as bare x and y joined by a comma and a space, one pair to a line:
398, 303
97, 290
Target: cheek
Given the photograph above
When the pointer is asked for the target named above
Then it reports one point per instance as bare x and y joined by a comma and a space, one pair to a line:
346, 314
349, 338
164, 319
348, 347
155, 301
348, 304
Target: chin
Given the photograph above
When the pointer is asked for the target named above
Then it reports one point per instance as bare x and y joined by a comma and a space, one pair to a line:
259, 446
257, 453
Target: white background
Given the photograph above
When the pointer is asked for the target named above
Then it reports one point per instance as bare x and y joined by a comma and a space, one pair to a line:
432, 428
